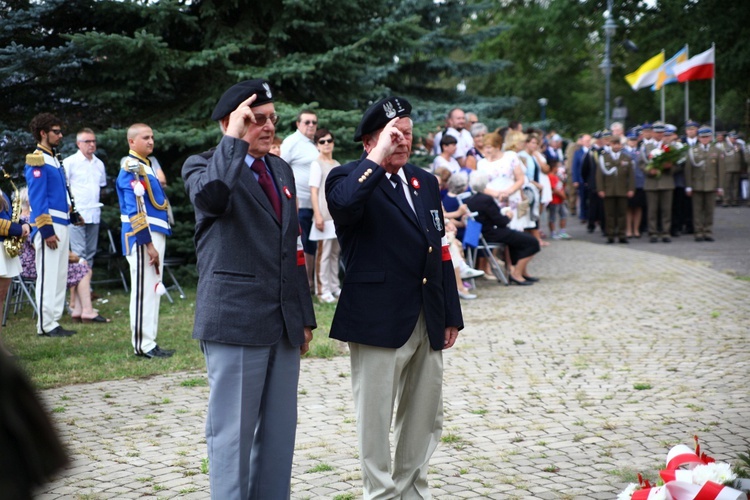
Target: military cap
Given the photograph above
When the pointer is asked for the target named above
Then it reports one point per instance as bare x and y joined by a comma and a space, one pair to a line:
606, 133
733, 133
380, 113
670, 129
632, 134
238, 93
691, 123
658, 127
705, 131
647, 126
597, 134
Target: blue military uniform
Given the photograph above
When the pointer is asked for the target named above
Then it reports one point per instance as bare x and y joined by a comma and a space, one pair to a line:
144, 215
50, 212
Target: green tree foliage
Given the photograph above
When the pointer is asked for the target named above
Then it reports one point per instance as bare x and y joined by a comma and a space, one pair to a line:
109, 63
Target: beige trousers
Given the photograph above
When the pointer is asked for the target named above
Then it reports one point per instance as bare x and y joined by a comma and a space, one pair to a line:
328, 266
411, 377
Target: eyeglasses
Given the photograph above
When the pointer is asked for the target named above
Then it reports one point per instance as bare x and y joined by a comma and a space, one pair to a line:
56, 131
325, 141
261, 120
89, 141
310, 122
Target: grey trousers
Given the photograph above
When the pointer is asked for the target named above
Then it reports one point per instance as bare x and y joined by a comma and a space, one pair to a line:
659, 201
252, 419
84, 241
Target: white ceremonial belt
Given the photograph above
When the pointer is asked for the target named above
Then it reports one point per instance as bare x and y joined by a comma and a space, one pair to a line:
152, 221
59, 214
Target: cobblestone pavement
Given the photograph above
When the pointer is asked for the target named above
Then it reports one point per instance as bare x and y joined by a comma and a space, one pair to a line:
564, 389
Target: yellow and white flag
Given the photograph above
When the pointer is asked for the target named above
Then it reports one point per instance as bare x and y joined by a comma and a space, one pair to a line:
646, 75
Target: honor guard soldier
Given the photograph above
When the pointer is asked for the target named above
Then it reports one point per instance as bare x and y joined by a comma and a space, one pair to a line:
703, 176
659, 187
399, 305
733, 163
145, 227
615, 179
50, 211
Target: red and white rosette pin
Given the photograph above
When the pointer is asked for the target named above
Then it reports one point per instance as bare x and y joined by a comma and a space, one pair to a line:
287, 193
414, 183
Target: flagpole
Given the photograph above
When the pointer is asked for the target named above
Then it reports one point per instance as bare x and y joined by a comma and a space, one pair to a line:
713, 93
687, 89
662, 93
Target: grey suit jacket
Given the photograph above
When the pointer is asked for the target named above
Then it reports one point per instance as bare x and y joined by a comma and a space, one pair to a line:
252, 285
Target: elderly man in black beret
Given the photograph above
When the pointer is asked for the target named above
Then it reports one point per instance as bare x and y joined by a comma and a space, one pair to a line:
253, 314
399, 304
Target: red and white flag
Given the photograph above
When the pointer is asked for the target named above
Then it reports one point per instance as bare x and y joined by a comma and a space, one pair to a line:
700, 67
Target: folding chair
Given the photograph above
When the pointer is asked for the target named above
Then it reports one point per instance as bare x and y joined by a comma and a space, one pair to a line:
21, 290
170, 262
474, 241
113, 257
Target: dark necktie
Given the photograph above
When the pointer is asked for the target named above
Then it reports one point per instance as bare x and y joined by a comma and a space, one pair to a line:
266, 183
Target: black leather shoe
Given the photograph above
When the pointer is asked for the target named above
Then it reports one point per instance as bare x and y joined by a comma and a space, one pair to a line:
653, 239
157, 352
511, 279
699, 238
708, 238
530, 278
58, 332
666, 240
610, 241
624, 240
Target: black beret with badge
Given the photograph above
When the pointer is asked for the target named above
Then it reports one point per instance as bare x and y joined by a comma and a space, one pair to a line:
380, 113
238, 92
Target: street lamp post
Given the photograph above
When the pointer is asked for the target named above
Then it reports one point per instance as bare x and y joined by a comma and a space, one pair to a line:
543, 103
609, 31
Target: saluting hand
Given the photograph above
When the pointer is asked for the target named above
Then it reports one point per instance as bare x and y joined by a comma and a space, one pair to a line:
390, 138
241, 118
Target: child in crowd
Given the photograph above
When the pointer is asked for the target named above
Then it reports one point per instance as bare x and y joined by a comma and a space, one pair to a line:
557, 207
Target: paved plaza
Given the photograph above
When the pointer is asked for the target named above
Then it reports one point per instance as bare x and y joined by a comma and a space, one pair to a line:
564, 389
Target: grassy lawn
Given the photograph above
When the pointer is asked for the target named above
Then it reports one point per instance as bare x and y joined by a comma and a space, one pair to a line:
104, 352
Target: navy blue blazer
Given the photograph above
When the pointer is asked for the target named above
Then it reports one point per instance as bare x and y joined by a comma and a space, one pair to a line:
396, 264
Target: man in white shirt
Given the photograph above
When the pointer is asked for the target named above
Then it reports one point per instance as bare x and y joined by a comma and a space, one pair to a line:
456, 122
299, 151
86, 177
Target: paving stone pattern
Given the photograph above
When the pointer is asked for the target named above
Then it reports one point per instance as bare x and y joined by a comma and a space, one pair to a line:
561, 390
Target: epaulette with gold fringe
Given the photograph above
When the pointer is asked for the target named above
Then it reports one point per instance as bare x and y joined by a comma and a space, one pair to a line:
35, 159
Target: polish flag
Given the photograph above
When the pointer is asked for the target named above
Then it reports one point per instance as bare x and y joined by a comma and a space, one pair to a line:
700, 67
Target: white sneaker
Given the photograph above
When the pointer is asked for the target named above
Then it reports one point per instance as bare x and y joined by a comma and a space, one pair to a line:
557, 236
328, 298
565, 236
467, 296
337, 293
468, 273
